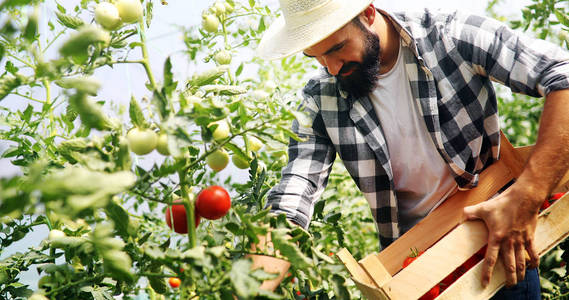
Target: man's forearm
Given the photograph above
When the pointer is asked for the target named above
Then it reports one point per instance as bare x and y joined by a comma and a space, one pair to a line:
549, 160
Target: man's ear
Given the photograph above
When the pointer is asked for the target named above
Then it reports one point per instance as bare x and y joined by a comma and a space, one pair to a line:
368, 15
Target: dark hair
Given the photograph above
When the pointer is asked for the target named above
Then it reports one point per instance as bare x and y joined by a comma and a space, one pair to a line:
356, 21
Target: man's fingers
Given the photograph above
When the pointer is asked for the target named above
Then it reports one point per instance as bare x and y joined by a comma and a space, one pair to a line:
472, 212
533, 254
508, 255
520, 261
489, 262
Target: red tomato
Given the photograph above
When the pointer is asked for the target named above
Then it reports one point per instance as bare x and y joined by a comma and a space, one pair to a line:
174, 282
180, 218
213, 202
556, 196
409, 259
431, 294
545, 205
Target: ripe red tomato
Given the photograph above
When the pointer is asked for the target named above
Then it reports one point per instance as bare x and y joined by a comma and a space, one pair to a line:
545, 205
409, 259
180, 218
174, 282
213, 202
431, 294
556, 196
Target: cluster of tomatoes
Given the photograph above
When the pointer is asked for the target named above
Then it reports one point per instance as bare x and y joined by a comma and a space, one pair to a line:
112, 16
452, 277
212, 203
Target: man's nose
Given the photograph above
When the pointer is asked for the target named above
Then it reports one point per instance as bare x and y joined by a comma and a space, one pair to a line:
333, 65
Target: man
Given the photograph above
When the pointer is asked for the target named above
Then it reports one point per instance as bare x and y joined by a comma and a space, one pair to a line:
417, 88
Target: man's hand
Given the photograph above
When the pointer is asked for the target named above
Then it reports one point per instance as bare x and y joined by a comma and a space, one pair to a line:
511, 219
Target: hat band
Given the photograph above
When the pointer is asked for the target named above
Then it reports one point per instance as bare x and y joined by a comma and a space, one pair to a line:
315, 13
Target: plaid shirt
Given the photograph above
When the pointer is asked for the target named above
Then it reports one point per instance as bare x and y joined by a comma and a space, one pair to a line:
455, 57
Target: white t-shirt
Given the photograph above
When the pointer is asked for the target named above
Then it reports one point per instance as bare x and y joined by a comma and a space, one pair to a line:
422, 178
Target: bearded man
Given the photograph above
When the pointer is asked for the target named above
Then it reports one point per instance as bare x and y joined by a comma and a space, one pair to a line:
406, 101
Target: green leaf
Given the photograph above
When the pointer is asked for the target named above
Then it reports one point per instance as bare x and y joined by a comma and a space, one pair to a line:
340, 289
562, 17
118, 263
80, 181
159, 100
89, 85
78, 43
245, 286
208, 76
136, 115
91, 114
288, 249
8, 83
169, 83
119, 216
149, 7
31, 29
228, 90
233, 228
16, 3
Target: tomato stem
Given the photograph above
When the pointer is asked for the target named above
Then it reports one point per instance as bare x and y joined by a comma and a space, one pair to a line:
189, 205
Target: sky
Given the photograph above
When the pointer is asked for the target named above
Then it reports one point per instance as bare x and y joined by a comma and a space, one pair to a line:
165, 40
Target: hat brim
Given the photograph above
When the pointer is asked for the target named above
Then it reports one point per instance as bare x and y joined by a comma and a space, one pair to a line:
281, 40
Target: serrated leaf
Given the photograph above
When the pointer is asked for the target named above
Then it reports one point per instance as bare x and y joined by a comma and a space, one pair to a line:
169, 83
89, 85
245, 286
78, 43
562, 17
228, 90
208, 76
149, 7
136, 115
68, 21
8, 83
31, 29
91, 114
288, 249
119, 216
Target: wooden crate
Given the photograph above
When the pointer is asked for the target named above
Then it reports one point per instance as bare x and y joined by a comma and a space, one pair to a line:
448, 241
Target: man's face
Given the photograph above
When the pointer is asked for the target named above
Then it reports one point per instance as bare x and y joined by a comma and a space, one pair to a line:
351, 54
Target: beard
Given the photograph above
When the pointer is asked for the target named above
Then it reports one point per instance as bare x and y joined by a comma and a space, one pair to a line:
364, 76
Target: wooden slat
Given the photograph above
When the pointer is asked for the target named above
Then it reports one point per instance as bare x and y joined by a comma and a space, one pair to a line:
552, 228
438, 261
508, 154
353, 267
449, 214
375, 269
370, 292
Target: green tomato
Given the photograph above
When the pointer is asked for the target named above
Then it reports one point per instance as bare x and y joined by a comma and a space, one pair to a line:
254, 144
129, 10
55, 234
221, 131
239, 162
210, 23
218, 160
162, 146
223, 57
142, 141
107, 15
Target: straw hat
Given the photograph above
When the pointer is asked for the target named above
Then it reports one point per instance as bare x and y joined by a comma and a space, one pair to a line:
304, 23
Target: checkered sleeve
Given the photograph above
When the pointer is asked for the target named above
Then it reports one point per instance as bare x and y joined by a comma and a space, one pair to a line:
310, 162
530, 66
